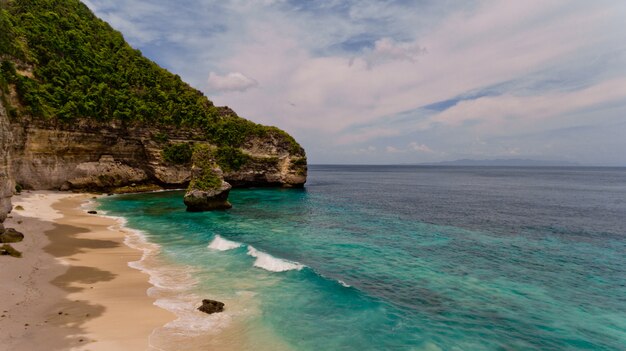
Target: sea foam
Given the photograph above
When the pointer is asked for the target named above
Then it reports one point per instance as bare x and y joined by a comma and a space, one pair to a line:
271, 263
222, 244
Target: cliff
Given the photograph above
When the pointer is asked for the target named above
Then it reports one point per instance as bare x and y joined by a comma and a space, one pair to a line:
110, 157
82, 110
6, 180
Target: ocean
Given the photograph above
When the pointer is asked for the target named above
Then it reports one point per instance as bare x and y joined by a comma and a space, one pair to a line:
393, 258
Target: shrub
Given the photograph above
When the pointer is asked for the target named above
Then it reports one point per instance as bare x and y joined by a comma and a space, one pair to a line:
178, 153
231, 158
232, 131
207, 179
160, 137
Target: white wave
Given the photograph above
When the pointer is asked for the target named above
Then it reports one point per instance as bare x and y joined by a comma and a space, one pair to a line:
89, 205
271, 263
221, 244
189, 321
345, 285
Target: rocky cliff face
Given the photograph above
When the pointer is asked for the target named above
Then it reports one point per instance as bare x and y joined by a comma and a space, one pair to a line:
7, 184
110, 157
272, 162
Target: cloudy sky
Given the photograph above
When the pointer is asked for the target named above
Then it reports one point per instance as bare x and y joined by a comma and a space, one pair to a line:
404, 81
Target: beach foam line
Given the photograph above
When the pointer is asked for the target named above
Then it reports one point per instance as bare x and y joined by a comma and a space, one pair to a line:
221, 244
271, 263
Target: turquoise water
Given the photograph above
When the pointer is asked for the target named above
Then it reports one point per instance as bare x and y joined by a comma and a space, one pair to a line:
403, 258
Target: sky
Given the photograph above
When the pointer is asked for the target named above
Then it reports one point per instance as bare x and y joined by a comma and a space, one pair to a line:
401, 81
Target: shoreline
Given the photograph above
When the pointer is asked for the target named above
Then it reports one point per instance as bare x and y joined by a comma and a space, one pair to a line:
74, 287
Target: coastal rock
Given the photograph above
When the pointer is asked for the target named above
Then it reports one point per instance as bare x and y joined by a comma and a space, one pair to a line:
7, 184
273, 161
208, 200
207, 190
92, 212
211, 306
10, 235
8, 250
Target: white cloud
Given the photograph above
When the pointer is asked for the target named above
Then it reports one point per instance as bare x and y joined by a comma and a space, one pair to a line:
366, 150
386, 49
412, 146
420, 147
505, 114
468, 51
360, 136
233, 81
393, 150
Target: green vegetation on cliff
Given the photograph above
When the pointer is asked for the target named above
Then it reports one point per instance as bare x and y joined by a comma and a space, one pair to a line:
66, 64
179, 154
231, 158
204, 163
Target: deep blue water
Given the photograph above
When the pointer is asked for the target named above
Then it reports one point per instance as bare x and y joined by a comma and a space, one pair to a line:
410, 257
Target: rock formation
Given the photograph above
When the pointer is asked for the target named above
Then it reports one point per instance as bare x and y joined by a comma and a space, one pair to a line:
106, 157
8, 250
7, 185
211, 306
10, 235
207, 190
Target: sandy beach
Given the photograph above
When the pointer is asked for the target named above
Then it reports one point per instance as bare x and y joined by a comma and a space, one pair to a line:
73, 288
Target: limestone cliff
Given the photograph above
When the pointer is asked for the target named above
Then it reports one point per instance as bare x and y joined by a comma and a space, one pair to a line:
107, 157
6, 180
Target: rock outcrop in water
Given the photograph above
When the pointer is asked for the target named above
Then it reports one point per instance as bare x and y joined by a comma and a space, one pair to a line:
81, 110
207, 190
211, 306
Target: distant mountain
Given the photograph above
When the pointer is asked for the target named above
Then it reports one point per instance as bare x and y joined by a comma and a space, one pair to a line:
513, 162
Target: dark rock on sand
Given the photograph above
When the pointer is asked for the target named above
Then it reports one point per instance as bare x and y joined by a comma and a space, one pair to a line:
211, 306
8, 250
92, 212
10, 235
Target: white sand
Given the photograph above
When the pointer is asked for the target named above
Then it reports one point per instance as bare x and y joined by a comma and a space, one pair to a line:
73, 288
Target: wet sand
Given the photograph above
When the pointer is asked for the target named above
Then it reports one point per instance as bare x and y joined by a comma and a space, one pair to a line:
73, 288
